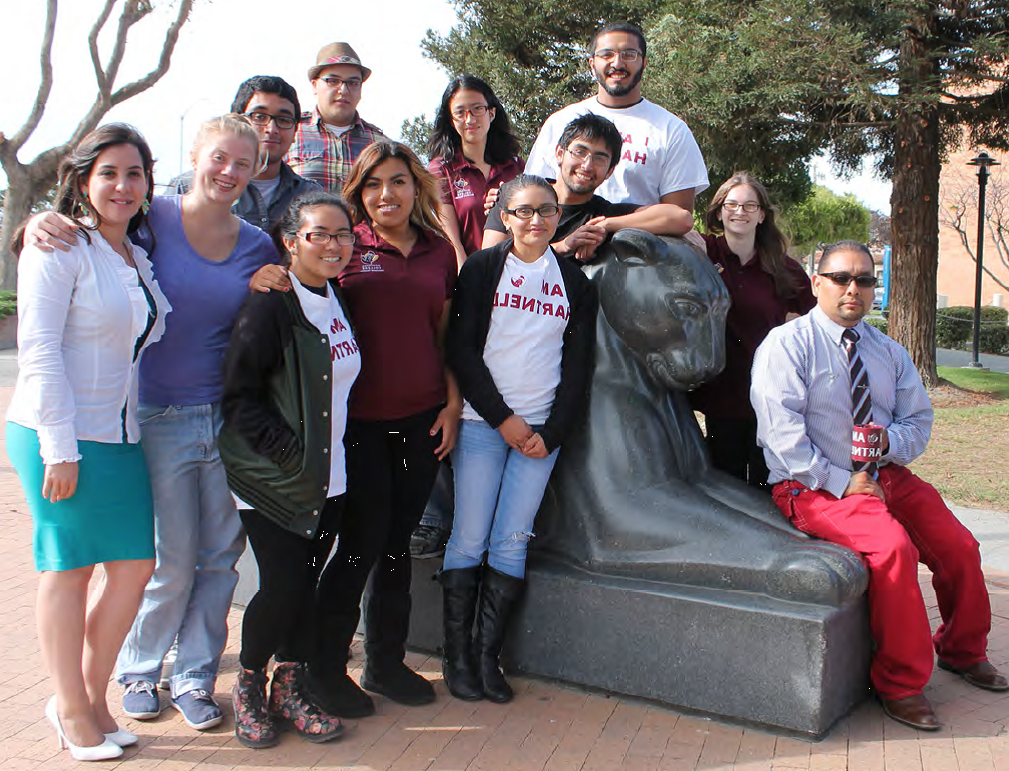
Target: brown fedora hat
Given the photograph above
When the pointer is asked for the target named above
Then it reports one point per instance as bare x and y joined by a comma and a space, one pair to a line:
337, 53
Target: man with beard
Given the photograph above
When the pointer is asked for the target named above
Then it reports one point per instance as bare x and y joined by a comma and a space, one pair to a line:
817, 381
660, 160
271, 104
586, 154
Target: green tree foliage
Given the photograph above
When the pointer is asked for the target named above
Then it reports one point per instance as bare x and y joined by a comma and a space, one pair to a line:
824, 218
764, 84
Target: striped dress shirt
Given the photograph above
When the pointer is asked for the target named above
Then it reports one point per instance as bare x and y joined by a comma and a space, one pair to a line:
801, 393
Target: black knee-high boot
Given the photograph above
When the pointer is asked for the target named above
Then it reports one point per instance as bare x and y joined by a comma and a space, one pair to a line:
458, 665
499, 596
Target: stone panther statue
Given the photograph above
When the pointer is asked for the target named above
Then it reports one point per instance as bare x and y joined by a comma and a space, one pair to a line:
633, 493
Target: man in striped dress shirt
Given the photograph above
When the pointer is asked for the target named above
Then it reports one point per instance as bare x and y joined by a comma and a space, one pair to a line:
803, 397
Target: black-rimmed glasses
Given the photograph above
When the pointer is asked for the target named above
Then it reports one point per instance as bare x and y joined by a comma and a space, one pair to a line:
264, 118
319, 238
476, 110
546, 211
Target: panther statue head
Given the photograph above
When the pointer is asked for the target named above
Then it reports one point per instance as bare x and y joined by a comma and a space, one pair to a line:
667, 304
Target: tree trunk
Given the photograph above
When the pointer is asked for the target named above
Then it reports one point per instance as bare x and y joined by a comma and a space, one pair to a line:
24, 191
914, 206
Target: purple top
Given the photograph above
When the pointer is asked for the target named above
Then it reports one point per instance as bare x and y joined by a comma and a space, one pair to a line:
755, 311
184, 367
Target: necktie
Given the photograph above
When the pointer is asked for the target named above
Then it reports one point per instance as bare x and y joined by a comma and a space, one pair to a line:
861, 401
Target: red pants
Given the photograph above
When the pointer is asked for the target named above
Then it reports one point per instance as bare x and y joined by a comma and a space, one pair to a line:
913, 524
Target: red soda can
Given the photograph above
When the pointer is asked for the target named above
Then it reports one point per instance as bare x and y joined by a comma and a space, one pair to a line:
867, 443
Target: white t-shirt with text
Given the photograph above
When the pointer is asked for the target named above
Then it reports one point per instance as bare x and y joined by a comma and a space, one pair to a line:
660, 154
523, 349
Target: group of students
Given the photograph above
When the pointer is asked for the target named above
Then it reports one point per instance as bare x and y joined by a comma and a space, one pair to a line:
323, 403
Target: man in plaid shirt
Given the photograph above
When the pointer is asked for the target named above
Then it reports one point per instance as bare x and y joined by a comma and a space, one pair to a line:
330, 137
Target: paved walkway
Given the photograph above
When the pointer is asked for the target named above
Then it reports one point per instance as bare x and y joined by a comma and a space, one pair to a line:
548, 726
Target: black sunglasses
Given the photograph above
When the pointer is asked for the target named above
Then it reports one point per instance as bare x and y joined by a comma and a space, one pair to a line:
844, 279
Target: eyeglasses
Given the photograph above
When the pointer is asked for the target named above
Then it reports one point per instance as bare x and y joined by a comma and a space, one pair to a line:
546, 211
748, 207
476, 110
627, 55
264, 118
580, 154
321, 239
352, 84
845, 279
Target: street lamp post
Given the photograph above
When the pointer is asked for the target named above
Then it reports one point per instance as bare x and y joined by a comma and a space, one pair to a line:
983, 161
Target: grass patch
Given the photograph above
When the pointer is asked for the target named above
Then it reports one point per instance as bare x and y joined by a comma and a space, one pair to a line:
966, 459
8, 303
995, 383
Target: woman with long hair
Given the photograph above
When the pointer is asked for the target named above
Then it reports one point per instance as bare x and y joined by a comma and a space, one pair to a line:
767, 288
521, 344
472, 150
402, 421
288, 372
85, 318
204, 257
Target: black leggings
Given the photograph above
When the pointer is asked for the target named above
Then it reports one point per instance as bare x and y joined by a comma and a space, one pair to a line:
391, 467
281, 618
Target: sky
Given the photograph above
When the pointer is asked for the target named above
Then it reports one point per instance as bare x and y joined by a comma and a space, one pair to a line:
226, 41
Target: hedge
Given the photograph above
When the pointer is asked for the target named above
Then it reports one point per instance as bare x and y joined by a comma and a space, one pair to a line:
954, 328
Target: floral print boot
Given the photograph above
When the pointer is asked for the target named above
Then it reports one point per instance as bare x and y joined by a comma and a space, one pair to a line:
290, 701
253, 725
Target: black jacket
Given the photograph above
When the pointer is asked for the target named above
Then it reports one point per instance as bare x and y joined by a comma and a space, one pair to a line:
472, 304
277, 399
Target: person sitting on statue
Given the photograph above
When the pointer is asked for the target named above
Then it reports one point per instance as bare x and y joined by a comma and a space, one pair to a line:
841, 412
520, 342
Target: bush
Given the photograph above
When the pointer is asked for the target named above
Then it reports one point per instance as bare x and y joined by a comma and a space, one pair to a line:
877, 322
954, 328
8, 303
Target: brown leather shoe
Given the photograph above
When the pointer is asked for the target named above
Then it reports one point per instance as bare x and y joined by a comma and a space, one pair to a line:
914, 711
981, 675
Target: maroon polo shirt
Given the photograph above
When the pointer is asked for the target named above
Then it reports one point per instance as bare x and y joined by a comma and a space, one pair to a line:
465, 187
397, 303
755, 311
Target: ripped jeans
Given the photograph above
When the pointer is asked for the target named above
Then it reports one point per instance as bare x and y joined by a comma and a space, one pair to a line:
498, 491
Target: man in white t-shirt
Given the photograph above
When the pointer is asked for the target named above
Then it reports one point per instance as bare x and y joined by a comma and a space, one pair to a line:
660, 161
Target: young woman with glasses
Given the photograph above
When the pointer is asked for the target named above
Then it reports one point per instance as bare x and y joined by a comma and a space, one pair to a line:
521, 341
473, 150
287, 376
767, 288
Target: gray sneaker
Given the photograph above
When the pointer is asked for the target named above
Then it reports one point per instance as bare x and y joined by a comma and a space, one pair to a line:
140, 700
428, 541
198, 709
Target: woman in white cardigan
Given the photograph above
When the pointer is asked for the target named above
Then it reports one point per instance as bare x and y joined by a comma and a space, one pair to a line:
84, 318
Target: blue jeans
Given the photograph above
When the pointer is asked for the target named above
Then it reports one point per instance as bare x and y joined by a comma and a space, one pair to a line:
198, 538
498, 491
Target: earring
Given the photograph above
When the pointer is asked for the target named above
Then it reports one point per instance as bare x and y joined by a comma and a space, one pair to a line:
83, 204
145, 206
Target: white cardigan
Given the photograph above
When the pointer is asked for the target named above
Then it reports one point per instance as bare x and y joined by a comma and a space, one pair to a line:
80, 314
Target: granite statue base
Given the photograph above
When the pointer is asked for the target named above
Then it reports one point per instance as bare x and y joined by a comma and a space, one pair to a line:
748, 657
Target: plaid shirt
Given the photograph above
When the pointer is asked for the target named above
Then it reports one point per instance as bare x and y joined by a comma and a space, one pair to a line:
321, 156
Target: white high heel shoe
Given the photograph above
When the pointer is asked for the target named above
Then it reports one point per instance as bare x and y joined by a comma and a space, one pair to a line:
104, 751
122, 737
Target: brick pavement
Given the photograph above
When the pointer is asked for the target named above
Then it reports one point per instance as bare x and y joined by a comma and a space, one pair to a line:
548, 726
